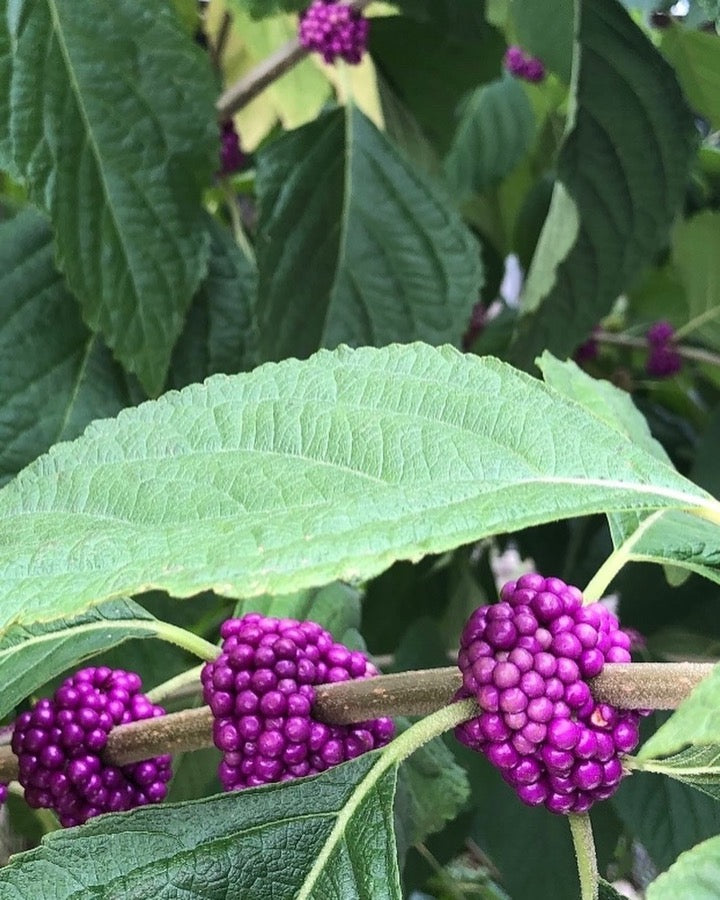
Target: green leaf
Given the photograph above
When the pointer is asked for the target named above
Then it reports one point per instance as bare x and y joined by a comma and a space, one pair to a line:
383, 257
31, 656
695, 722
55, 376
117, 152
694, 56
622, 172
220, 333
696, 874
607, 892
303, 472
546, 31
462, 19
6, 155
431, 68
494, 133
696, 254
697, 766
277, 841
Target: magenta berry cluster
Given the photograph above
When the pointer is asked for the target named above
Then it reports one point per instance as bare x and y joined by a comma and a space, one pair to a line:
232, 159
527, 660
522, 65
3, 793
663, 359
334, 30
59, 746
261, 690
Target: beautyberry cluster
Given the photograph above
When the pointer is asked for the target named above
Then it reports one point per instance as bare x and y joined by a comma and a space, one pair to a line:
334, 30
261, 691
60, 741
526, 660
3, 793
663, 359
524, 66
232, 159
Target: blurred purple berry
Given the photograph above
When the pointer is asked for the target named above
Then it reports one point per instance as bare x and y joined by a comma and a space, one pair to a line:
232, 159
663, 359
527, 660
478, 320
3, 793
334, 30
59, 746
521, 65
659, 334
261, 691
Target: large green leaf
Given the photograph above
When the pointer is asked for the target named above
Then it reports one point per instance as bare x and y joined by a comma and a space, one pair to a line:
55, 376
220, 333
112, 124
278, 842
495, 131
302, 472
696, 874
30, 657
698, 766
383, 257
694, 56
622, 172
546, 31
696, 254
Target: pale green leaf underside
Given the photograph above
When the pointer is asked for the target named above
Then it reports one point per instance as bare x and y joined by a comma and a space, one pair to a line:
698, 766
30, 657
302, 472
696, 875
112, 124
695, 722
261, 843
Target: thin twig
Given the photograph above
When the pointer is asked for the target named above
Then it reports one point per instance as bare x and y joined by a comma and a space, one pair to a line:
623, 340
627, 685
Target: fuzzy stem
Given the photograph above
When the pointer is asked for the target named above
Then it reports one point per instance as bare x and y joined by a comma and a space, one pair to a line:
182, 685
584, 845
187, 640
625, 685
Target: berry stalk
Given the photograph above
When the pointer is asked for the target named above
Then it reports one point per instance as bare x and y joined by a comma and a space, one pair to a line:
626, 685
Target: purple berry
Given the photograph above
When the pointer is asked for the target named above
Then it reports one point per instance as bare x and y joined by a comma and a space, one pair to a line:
529, 68
334, 30
59, 746
268, 668
526, 660
663, 359
232, 159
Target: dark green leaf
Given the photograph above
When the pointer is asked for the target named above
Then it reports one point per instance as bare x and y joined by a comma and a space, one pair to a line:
55, 376
696, 875
494, 133
696, 254
276, 842
546, 31
384, 259
607, 892
694, 56
698, 766
112, 124
621, 177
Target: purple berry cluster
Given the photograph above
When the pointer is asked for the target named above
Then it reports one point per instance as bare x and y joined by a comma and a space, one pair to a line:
334, 30
59, 745
261, 691
3, 793
232, 159
527, 660
663, 359
524, 66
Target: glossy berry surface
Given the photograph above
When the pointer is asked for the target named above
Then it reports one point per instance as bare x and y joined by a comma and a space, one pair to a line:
335, 31
261, 690
527, 661
60, 741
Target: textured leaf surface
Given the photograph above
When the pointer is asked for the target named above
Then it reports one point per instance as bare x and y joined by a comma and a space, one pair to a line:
55, 376
494, 133
695, 722
220, 333
112, 124
302, 472
696, 253
621, 176
30, 657
257, 843
697, 766
694, 56
696, 874
383, 258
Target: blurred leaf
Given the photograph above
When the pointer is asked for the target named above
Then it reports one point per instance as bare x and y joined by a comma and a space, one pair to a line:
607, 892
117, 152
695, 58
194, 775
546, 30
220, 333
629, 141
696, 256
230, 845
495, 131
55, 376
705, 470
464, 19
384, 257
695, 874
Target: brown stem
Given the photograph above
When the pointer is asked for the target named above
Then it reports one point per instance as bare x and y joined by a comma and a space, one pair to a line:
627, 685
